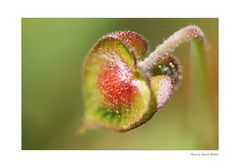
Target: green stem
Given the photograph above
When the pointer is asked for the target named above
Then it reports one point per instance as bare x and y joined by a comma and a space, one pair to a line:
201, 110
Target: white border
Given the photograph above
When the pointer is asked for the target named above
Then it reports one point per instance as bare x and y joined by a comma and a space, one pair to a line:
10, 89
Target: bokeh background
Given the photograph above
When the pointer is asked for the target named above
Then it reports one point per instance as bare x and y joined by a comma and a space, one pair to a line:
53, 51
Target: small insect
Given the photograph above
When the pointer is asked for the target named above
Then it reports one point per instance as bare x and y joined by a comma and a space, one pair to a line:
122, 90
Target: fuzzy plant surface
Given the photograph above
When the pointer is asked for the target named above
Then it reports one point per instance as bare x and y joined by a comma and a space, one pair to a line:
122, 87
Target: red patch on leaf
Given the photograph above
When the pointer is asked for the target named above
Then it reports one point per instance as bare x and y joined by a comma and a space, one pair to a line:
115, 84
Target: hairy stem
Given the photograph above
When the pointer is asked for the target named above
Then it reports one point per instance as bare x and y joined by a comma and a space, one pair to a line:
183, 35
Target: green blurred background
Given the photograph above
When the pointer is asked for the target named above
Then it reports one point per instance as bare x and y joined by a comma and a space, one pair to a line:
53, 51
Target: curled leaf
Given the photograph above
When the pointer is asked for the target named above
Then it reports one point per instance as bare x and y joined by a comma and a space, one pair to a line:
121, 91
117, 94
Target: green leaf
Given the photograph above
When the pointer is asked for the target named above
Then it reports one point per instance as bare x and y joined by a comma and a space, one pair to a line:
117, 94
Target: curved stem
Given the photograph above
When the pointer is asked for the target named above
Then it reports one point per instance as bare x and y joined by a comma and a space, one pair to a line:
183, 35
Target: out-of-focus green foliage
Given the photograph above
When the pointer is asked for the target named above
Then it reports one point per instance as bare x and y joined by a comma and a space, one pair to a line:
53, 51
